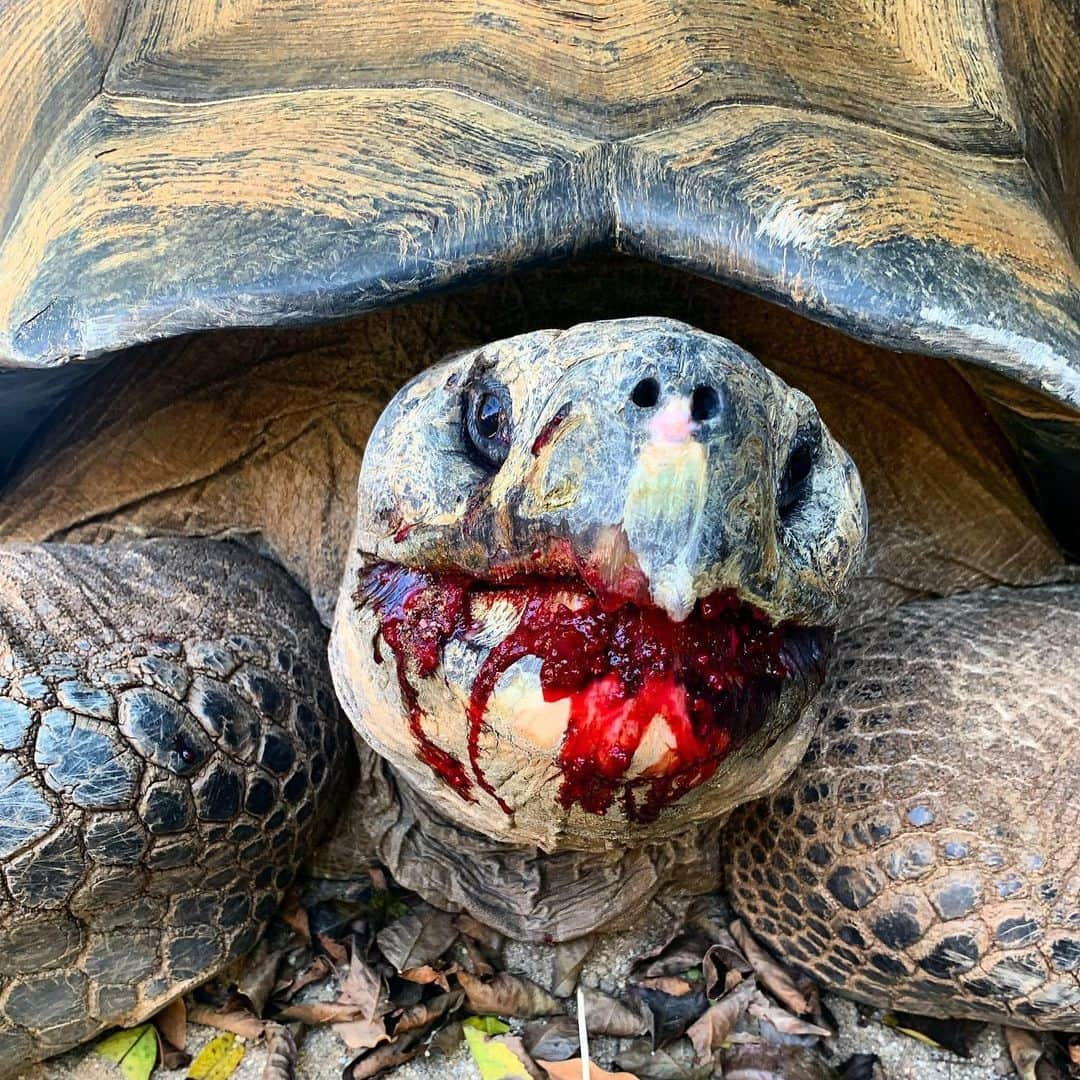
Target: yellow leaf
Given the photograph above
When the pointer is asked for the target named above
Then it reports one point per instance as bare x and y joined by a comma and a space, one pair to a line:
489, 1025
495, 1061
134, 1050
218, 1059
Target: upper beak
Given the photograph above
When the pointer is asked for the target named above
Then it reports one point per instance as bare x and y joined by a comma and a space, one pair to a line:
664, 508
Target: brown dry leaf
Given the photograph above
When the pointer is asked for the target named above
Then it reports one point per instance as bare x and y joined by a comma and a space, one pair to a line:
711, 1030
334, 949
556, 1039
425, 1013
571, 1070
240, 1022
763, 1009
256, 981
605, 1015
679, 955
280, 1054
674, 985
293, 914
419, 937
472, 959
316, 971
1074, 1050
569, 959
362, 1034
725, 959
489, 937
508, 995
427, 974
321, 1012
387, 1056
362, 987
171, 1023
769, 973
1025, 1049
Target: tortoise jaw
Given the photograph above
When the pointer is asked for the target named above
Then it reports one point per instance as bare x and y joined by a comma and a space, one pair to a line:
654, 706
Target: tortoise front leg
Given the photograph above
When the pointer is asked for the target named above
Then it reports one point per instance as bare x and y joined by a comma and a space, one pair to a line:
926, 855
170, 749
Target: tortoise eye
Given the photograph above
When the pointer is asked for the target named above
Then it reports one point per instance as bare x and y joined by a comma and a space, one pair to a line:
487, 423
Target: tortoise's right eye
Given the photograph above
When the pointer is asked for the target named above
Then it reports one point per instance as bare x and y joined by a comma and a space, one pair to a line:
488, 422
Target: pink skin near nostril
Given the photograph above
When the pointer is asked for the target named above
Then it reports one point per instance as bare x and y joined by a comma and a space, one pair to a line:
672, 424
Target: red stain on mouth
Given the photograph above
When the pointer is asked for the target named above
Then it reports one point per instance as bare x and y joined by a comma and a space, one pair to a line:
707, 682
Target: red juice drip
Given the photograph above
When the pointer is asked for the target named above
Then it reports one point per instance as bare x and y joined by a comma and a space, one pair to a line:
620, 669
417, 614
704, 681
549, 429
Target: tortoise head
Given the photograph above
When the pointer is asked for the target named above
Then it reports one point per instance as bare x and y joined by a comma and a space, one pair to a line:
594, 577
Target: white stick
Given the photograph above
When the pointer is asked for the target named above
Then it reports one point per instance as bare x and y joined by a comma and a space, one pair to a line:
583, 1033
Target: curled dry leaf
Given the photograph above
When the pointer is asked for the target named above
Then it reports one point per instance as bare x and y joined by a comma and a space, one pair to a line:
419, 937
317, 970
761, 1061
572, 1070
570, 957
171, 1022
256, 981
489, 937
425, 1013
673, 1015
334, 949
508, 995
427, 974
555, 1039
321, 1012
679, 955
362, 1034
362, 986
674, 1062
280, 1053
385, 1057
711, 1030
605, 1015
674, 985
762, 1009
769, 973
1025, 1049
240, 1022
293, 914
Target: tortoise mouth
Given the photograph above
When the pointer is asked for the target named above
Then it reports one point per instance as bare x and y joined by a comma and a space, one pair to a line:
654, 705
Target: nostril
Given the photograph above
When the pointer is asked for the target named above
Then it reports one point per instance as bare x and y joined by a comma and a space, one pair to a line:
646, 394
704, 404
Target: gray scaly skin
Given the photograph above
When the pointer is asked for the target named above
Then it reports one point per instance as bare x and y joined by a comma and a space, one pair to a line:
170, 749
150, 622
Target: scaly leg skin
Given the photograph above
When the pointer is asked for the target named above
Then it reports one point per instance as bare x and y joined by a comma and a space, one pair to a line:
926, 856
170, 749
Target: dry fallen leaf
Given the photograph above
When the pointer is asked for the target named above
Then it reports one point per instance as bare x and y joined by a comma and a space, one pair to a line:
1025, 1049
237, 1021
606, 1015
711, 1030
362, 1034
769, 973
570, 957
784, 1022
362, 987
419, 937
674, 985
508, 995
427, 974
571, 1070
425, 1013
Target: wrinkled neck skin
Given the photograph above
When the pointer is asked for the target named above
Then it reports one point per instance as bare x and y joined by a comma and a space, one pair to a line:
593, 583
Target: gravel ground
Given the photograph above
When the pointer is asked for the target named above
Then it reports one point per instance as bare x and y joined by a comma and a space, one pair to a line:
323, 1055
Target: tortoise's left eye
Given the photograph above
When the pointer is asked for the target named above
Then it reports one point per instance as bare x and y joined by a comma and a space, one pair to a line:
488, 422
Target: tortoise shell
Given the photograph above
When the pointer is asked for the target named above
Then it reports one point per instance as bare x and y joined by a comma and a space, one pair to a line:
906, 173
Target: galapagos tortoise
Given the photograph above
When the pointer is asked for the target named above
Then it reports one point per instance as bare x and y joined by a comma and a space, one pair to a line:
586, 599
